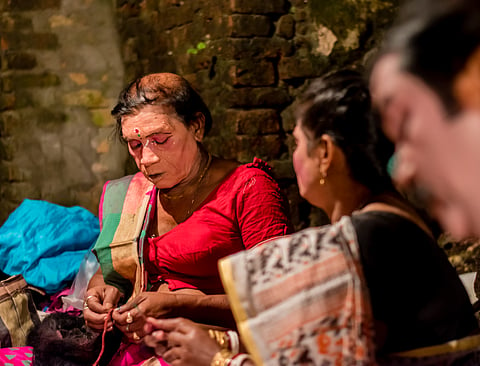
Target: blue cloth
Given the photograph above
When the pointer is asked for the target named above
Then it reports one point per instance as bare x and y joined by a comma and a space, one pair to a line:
46, 243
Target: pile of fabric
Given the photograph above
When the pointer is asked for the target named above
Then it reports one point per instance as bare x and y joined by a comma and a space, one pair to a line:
48, 248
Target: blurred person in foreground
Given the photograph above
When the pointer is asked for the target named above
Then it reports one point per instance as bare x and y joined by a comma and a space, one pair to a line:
426, 85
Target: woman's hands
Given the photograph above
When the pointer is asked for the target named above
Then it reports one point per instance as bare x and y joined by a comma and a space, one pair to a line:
98, 301
130, 318
180, 341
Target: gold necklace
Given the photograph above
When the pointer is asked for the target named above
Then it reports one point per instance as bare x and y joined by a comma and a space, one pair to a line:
190, 210
181, 195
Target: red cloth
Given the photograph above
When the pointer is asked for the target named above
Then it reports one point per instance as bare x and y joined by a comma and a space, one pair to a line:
245, 209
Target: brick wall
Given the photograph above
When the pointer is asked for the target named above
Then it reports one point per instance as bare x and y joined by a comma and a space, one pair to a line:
60, 71
250, 59
63, 62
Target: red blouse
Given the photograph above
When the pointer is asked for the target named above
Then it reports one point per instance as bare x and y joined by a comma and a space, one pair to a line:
246, 208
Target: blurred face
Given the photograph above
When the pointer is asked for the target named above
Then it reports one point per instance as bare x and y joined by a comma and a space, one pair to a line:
431, 150
306, 167
164, 149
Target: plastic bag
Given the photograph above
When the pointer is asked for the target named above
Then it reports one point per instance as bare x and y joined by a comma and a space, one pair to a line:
88, 267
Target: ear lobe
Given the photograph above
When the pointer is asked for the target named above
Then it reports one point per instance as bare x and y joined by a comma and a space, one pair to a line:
466, 85
324, 152
198, 126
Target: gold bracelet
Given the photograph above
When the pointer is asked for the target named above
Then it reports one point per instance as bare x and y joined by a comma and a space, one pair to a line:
220, 337
223, 339
222, 358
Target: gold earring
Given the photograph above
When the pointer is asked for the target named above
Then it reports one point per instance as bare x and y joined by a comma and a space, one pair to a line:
322, 179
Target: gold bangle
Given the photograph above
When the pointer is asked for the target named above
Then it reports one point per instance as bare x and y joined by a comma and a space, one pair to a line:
216, 335
222, 338
222, 358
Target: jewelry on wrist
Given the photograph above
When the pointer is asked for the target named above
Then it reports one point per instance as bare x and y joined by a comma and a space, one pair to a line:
239, 359
226, 340
233, 341
222, 358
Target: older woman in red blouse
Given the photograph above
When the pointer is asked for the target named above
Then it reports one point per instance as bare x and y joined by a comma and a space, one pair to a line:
199, 208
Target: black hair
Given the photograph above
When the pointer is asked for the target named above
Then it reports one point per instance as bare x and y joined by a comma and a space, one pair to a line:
63, 339
154, 89
435, 39
339, 105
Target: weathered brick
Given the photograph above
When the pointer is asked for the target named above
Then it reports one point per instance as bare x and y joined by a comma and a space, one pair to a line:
28, 5
7, 101
240, 25
296, 204
42, 80
282, 169
20, 60
49, 117
288, 117
15, 172
248, 48
290, 143
286, 27
101, 117
161, 63
300, 15
215, 28
221, 146
15, 22
9, 122
266, 147
259, 7
301, 67
180, 14
178, 37
37, 41
17, 191
24, 99
195, 63
252, 73
7, 83
133, 26
257, 97
90, 98
8, 148
298, 4
254, 122
7, 207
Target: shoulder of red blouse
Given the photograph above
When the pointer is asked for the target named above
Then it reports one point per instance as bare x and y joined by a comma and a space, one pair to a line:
260, 164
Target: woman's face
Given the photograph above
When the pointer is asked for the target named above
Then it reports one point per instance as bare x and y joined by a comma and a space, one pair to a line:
164, 148
306, 168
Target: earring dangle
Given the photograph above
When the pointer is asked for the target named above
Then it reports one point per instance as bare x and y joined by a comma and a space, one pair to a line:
322, 179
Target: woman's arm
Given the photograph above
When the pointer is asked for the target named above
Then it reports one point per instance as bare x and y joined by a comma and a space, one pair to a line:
208, 309
190, 344
262, 209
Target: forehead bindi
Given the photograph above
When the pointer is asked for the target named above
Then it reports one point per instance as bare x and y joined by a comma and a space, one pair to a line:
145, 124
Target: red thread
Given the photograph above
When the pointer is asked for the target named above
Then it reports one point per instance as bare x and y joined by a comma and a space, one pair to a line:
109, 316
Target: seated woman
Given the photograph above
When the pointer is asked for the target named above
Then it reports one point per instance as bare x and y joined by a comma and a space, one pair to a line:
164, 229
368, 288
